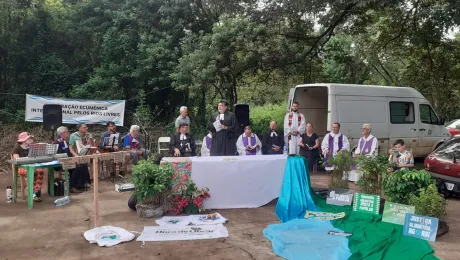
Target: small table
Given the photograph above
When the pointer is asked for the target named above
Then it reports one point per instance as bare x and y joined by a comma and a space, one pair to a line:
30, 168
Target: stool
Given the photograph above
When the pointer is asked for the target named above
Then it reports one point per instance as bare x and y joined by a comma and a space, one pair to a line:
30, 168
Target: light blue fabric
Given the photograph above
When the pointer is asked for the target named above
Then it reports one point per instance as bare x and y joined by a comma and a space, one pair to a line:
295, 196
302, 239
299, 238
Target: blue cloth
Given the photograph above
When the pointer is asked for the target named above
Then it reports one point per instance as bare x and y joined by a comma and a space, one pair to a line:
301, 239
295, 196
298, 238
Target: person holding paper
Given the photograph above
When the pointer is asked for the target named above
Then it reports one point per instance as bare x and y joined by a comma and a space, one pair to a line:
111, 139
223, 125
133, 144
248, 143
333, 142
81, 139
403, 159
294, 126
273, 141
182, 144
309, 144
207, 144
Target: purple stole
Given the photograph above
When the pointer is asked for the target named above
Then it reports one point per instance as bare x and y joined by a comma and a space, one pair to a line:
364, 147
331, 148
253, 143
208, 142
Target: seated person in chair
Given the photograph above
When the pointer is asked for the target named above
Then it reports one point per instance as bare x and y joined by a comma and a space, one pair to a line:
21, 149
133, 144
111, 142
248, 143
403, 159
182, 144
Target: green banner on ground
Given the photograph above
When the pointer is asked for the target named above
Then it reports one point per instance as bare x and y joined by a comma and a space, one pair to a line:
366, 203
396, 213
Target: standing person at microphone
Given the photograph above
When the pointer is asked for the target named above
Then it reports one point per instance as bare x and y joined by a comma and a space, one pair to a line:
223, 126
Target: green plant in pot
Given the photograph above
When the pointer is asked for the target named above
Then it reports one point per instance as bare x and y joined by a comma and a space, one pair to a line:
372, 167
400, 185
342, 163
152, 183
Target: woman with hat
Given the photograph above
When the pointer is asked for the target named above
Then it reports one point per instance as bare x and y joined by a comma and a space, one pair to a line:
21, 149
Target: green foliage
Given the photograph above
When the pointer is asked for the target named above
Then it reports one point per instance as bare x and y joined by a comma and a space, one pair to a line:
342, 163
400, 185
372, 167
262, 116
429, 202
151, 179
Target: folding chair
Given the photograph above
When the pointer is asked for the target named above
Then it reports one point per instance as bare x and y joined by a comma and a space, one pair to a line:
163, 140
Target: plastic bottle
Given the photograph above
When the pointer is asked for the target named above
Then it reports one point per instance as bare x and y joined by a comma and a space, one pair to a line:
62, 201
9, 194
285, 150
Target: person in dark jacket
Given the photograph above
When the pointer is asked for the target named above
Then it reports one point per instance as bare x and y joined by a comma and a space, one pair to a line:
273, 141
182, 144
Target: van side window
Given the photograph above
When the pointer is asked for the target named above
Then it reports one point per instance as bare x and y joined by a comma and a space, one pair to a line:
402, 113
427, 115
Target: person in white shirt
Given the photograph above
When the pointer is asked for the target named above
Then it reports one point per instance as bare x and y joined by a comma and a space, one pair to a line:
332, 143
206, 146
294, 127
367, 146
248, 143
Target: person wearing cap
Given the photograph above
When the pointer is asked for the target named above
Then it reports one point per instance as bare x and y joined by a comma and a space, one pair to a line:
133, 144
248, 143
223, 125
21, 149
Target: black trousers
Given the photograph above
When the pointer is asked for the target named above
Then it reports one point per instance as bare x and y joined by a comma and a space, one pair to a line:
311, 156
79, 176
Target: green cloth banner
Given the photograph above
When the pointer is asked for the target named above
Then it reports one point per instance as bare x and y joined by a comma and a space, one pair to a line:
372, 238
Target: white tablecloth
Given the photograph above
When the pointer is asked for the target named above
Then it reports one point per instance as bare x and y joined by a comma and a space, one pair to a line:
245, 182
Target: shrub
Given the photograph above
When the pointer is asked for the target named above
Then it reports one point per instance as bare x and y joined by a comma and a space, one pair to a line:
151, 179
399, 186
261, 117
372, 167
429, 202
342, 162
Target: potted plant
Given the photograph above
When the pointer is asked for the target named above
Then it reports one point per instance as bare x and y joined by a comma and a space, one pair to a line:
341, 162
187, 198
152, 185
372, 168
430, 203
398, 186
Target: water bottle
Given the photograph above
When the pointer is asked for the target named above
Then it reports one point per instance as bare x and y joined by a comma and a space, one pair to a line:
62, 201
285, 150
9, 194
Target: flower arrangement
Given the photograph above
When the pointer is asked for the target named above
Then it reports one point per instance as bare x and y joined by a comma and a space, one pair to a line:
186, 197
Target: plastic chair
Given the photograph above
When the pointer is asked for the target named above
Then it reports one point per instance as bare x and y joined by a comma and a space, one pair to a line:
163, 140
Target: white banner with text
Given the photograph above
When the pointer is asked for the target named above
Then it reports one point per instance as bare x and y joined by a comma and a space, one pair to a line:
76, 111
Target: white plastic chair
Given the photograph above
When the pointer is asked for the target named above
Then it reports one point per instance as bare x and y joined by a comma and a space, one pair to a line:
163, 140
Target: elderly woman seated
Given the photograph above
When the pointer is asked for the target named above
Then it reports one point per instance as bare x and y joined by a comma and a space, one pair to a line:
133, 145
21, 149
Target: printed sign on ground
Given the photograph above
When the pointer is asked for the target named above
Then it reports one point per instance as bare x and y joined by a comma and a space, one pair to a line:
366, 203
422, 227
396, 213
339, 197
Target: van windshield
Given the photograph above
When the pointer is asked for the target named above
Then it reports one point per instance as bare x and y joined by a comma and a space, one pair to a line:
449, 149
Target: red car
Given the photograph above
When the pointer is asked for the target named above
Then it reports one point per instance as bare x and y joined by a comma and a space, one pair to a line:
453, 127
444, 166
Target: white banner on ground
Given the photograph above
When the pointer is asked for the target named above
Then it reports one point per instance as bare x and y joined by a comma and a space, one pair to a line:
168, 233
75, 111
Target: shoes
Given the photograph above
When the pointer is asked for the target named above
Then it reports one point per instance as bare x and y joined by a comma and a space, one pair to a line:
37, 196
75, 190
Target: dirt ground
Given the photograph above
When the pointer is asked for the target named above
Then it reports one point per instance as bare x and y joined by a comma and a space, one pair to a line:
46, 232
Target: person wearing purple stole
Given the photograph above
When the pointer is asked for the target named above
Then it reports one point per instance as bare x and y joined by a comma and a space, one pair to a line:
367, 146
206, 146
248, 143
333, 142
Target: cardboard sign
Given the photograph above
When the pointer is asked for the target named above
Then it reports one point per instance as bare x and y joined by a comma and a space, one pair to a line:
366, 203
339, 197
421, 227
396, 213
67, 163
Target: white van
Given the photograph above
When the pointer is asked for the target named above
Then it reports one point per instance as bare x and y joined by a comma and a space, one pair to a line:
393, 112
